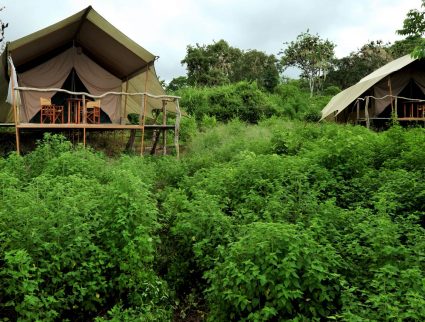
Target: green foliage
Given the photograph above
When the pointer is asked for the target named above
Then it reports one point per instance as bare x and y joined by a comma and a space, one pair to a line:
78, 236
187, 129
274, 272
312, 55
414, 29
177, 83
282, 220
248, 103
350, 69
219, 64
241, 100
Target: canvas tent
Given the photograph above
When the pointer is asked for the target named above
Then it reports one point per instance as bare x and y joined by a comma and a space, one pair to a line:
103, 58
403, 77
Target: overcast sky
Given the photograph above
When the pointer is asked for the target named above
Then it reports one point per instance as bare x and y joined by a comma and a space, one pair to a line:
166, 27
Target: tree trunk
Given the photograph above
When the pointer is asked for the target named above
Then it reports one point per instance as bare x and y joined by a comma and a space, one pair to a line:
130, 143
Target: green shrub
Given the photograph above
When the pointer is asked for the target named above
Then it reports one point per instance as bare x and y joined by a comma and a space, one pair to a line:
242, 100
274, 272
77, 238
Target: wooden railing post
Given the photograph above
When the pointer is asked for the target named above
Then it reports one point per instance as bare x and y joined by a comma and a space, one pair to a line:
164, 123
366, 111
142, 121
177, 128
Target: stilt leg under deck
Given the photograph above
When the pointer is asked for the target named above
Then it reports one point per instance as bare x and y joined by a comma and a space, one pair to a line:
18, 145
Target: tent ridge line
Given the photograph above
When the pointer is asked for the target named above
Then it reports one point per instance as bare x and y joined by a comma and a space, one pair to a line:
82, 21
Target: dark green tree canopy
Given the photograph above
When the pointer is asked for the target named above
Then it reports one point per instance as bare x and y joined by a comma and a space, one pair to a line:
219, 64
414, 30
210, 65
349, 70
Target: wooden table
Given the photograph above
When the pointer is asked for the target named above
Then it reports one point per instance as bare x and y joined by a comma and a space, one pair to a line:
74, 104
77, 106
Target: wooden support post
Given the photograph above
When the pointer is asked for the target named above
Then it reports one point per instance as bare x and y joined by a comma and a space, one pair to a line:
84, 136
366, 111
144, 104
84, 110
124, 115
395, 116
177, 129
15, 112
164, 123
142, 124
391, 93
18, 141
358, 111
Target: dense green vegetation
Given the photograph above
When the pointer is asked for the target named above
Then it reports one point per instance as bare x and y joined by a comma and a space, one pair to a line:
276, 221
267, 216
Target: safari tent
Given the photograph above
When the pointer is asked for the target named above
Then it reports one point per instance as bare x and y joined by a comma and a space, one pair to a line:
82, 56
394, 90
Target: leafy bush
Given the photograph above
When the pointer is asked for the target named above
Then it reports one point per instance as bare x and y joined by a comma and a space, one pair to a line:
282, 220
242, 100
77, 236
274, 272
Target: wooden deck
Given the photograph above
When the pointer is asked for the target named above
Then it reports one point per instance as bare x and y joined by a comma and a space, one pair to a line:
106, 126
158, 130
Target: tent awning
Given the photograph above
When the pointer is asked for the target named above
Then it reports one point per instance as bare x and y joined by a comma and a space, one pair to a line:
343, 99
90, 32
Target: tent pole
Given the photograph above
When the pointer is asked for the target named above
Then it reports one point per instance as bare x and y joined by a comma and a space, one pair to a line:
145, 101
125, 103
142, 124
358, 111
15, 113
366, 111
395, 109
177, 129
84, 110
164, 131
391, 94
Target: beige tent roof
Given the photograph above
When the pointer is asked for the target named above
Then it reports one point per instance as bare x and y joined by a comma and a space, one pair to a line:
101, 42
90, 31
343, 99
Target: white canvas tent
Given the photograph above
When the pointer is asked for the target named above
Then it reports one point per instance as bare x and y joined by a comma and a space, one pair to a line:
104, 59
384, 83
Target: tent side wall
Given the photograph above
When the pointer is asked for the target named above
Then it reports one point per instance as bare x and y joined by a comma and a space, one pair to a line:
6, 110
139, 84
344, 99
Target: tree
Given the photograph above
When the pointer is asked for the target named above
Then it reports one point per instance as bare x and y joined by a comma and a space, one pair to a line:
349, 70
254, 65
414, 29
210, 65
403, 47
220, 63
312, 55
177, 83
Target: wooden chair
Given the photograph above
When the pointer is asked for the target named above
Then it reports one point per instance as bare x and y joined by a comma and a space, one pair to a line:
50, 113
421, 111
93, 112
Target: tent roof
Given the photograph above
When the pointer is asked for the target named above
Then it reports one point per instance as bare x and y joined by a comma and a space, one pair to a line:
98, 39
343, 99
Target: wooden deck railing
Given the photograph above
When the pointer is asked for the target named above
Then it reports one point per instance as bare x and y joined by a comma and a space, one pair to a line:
163, 127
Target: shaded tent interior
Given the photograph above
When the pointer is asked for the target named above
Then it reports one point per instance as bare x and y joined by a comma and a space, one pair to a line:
102, 58
394, 90
72, 83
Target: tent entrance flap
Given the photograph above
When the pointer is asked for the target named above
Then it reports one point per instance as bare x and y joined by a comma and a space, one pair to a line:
53, 73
